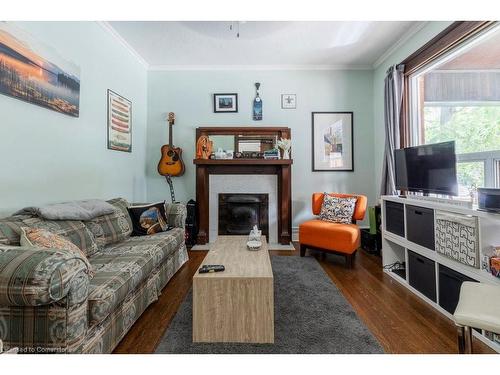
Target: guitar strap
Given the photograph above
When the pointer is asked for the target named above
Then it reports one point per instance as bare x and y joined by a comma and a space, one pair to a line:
171, 185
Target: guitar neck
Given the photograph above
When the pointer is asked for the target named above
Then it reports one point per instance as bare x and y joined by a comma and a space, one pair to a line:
170, 141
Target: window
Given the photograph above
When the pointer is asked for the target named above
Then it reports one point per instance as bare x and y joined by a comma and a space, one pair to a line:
457, 97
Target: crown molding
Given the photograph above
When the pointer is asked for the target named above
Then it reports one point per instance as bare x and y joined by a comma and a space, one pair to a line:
161, 68
403, 39
106, 26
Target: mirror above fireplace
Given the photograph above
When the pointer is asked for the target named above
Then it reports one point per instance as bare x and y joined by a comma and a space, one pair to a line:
254, 143
243, 142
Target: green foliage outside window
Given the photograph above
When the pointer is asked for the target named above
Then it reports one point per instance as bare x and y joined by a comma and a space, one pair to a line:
470, 174
474, 129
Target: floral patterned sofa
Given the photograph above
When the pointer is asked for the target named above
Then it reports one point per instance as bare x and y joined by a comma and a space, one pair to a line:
48, 303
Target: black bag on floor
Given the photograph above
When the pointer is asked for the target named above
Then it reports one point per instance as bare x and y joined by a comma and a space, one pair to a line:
191, 223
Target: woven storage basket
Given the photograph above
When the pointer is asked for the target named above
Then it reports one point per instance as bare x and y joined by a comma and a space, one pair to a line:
457, 237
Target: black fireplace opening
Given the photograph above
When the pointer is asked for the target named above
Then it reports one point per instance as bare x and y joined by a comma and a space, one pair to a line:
238, 213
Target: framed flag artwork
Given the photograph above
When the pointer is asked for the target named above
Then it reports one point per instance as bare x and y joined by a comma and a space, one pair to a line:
119, 122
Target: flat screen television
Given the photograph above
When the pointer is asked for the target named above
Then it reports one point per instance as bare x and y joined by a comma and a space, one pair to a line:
427, 168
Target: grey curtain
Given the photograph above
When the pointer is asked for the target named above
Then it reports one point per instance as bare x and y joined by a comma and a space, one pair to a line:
393, 101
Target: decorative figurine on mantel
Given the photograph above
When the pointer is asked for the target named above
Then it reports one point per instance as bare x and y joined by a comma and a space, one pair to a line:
285, 145
204, 147
254, 239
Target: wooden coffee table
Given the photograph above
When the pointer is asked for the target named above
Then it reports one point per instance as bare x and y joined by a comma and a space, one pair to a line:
236, 305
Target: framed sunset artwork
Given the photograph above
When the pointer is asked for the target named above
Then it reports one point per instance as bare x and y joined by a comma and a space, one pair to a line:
35, 73
332, 141
119, 122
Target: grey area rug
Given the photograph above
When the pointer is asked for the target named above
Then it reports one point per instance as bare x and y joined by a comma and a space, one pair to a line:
311, 316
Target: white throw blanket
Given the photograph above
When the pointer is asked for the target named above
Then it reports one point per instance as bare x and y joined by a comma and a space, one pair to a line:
75, 210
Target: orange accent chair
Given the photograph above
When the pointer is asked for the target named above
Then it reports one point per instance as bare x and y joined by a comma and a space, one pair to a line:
343, 239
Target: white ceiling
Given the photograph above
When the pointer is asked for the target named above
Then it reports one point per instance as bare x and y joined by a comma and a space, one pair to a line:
184, 45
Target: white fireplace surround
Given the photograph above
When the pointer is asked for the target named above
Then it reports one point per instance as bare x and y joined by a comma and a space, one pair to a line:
243, 183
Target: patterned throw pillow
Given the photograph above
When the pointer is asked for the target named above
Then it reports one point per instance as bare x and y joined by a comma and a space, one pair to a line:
36, 237
10, 229
148, 219
337, 210
111, 228
72, 230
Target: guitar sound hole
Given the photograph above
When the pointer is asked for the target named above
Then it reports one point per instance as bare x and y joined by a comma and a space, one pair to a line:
170, 153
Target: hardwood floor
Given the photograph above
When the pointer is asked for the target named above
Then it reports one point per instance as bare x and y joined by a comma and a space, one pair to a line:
399, 320
402, 322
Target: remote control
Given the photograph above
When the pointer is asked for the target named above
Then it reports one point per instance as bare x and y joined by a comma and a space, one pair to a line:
211, 268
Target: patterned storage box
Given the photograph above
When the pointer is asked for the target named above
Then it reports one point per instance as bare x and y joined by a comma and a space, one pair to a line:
457, 237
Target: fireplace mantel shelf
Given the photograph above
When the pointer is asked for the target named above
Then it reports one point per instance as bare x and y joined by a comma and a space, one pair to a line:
242, 162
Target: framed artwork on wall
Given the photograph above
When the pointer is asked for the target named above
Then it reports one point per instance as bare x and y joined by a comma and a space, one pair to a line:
332, 141
288, 101
119, 122
224, 103
35, 73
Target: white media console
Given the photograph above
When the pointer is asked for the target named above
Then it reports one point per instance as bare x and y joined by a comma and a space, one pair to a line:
441, 245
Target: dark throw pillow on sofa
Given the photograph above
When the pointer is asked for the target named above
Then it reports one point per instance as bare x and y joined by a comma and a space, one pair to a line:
148, 219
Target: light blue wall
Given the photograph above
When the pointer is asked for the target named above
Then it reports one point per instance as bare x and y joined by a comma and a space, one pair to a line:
189, 95
46, 156
430, 30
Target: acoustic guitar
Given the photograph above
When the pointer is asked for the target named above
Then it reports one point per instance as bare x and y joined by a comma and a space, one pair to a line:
171, 163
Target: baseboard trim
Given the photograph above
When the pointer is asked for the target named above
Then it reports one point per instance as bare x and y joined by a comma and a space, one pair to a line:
295, 238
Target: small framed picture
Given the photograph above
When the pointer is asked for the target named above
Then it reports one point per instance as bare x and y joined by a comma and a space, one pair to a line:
225, 103
288, 101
